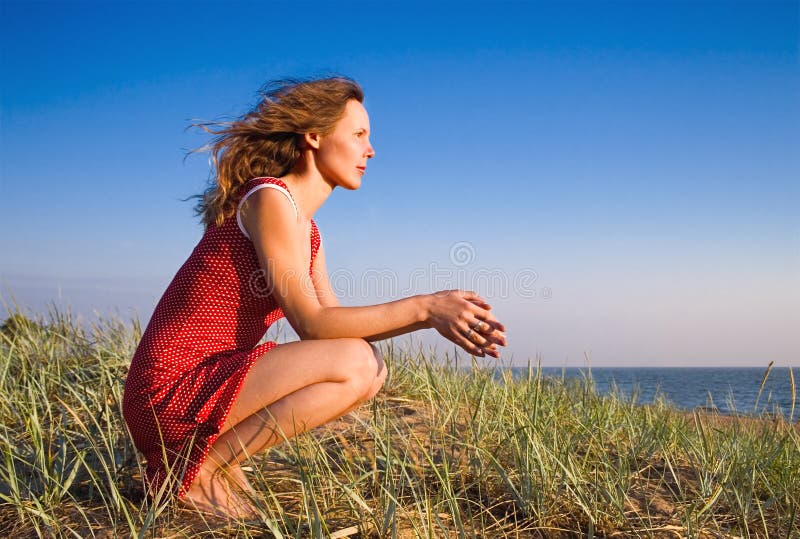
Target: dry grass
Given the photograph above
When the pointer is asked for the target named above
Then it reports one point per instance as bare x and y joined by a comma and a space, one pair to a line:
442, 452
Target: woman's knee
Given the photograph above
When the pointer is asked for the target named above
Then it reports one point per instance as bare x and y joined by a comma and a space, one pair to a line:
364, 368
380, 377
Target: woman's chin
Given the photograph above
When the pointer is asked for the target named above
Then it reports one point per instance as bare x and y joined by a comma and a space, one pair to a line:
352, 185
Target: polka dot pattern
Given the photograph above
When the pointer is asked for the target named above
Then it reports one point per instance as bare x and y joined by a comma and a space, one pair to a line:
197, 350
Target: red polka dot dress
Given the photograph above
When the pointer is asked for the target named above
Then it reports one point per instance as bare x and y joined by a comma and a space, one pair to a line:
197, 349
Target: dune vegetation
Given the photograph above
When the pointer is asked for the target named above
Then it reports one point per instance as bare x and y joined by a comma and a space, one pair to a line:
450, 448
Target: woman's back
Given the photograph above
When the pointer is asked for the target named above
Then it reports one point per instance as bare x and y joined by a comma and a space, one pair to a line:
216, 308
218, 300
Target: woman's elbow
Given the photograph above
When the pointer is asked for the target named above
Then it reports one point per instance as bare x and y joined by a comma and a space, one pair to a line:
310, 327
308, 336
306, 332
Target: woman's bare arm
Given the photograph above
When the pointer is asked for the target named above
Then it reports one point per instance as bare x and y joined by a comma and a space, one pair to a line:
322, 285
281, 243
327, 296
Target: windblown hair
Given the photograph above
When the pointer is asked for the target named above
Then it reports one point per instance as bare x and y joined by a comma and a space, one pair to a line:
267, 141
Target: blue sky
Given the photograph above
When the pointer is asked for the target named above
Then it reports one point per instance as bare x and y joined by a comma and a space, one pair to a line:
638, 159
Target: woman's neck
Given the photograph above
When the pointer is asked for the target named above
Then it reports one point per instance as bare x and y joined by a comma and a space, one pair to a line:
309, 189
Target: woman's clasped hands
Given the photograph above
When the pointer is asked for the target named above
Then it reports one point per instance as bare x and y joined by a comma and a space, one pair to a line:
464, 318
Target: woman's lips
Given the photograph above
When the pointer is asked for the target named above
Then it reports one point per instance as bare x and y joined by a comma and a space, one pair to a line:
362, 169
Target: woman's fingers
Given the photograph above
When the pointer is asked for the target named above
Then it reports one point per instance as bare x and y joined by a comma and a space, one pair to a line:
495, 337
473, 348
491, 351
479, 342
487, 341
480, 303
467, 345
475, 299
477, 331
483, 315
475, 337
489, 327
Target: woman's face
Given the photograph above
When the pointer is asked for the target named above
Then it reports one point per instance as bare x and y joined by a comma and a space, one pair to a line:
342, 154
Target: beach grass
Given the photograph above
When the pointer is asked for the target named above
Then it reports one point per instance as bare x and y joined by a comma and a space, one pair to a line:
451, 447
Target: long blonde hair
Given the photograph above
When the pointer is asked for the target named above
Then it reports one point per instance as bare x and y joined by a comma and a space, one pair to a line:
267, 141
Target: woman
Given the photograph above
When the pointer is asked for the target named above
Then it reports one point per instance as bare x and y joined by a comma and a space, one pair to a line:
202, 395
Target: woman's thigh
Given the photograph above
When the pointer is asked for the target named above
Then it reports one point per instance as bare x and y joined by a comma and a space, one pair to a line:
293, 366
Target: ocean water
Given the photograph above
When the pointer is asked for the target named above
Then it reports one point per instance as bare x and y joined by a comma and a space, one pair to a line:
727, 390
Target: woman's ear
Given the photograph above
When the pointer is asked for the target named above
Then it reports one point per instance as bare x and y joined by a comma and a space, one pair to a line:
311, 140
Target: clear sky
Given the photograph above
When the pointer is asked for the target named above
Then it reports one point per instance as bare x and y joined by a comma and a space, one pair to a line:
618, 179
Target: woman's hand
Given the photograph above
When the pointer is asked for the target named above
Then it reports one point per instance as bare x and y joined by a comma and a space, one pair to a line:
464, 318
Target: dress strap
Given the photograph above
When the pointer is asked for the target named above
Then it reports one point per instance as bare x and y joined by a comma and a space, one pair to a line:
272, 183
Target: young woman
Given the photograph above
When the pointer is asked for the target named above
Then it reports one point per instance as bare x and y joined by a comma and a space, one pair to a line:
202, 395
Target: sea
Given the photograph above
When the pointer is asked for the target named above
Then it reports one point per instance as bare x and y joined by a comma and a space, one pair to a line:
729, 390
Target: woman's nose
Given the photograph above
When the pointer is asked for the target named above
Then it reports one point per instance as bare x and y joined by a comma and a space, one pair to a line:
370, 152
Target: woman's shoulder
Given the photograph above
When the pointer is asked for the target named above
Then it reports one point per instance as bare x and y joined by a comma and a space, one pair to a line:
260, 184
266, 202
252, 183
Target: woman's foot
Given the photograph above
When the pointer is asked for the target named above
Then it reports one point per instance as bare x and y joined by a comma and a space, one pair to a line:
215, 492
236, 475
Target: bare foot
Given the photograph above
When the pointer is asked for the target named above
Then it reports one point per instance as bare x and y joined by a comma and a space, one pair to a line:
236, 476
212, 493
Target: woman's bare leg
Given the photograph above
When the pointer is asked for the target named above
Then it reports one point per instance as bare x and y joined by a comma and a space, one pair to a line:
292, 388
